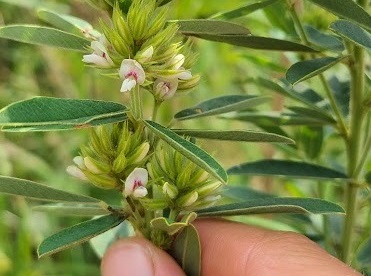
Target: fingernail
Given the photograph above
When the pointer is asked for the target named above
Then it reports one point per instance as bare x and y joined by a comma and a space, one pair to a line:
127, 258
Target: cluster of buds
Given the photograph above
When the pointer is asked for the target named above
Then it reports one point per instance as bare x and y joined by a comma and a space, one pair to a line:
141, 48
112, 155
182, 185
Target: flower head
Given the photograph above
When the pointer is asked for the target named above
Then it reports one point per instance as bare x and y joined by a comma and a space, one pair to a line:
132, 73
165, 88
100, 55
135, 183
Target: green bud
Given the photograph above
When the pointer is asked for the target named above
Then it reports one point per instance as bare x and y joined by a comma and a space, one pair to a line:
188, 199
102, 181
89, 164
157, 23
170, 190
119, 164
209, 188
122, 28
189, 84
182, 180
200, 177
140, 154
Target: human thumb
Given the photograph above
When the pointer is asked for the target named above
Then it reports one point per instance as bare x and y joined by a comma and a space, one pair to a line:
139, 257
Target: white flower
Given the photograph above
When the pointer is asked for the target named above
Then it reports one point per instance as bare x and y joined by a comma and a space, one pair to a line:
100, 55
165, 88
176, 64
146, 55
76, 172
132, 73
135, 183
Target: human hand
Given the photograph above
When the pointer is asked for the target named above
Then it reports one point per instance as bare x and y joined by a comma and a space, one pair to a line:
229, 248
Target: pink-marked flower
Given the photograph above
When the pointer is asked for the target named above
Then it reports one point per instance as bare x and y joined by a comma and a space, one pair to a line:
135, 183
164, 89
176, 64
76, 170
100, 55
132, 73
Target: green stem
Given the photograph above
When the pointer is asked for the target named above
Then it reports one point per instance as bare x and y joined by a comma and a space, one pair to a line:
341, 123
354, 149
136, 103
155, 110
363, 158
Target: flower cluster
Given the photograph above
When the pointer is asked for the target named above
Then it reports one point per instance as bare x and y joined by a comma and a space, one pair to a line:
142, 49
111, 155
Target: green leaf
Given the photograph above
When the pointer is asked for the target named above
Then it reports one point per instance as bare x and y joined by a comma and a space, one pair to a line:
352, 32
364, 254
304, 98
311, 140
243, 193
271, 118
72, 209
307, 69
198, 27
33, 190
341, 91
77, 234
286, 168
46, 113
347, 9
273, 205
189, 150
186, 250
220, 105
235, 135
313, 113
325, 41
244, 10
67, 23
255, 42
172, 227
39, 35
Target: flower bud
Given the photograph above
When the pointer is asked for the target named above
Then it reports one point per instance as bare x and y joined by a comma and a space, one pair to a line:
91, 166
76, 172
170, 190
209, 188
79, 161
140, 153
165, 89
144, 55
188, 199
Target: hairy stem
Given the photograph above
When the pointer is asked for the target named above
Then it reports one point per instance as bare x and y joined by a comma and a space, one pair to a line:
136, 103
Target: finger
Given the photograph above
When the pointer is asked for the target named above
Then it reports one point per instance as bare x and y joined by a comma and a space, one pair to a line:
139, 257
230, 248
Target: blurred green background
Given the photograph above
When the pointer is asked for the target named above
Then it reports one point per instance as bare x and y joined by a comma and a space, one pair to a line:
27, 71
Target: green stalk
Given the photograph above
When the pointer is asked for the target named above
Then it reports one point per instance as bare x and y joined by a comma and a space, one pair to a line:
322, 191
136, 103
354, 149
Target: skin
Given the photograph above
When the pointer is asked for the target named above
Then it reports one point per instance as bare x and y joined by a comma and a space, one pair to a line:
229, 248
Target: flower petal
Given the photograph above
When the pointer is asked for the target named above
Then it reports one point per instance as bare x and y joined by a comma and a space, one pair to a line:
165, 89
140, 192
137, 178
76, 172
127, 85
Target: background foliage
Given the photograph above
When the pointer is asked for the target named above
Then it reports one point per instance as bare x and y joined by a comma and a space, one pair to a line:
27, 71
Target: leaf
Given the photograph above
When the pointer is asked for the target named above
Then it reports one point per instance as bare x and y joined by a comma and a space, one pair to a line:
307, 97
307, 69
311, 141
347, 9
77, 234
33, 190
64, 209
286, 168
235, 135
243, 193
67, 23
101, 243
189, 150
209, 26
220, 105
186, 250
172, 227
255, 42
364, 254
244, 10
47, 113
341, 91
352, 32
39, 35
325, 41
313, 113
273, 205
272, 118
